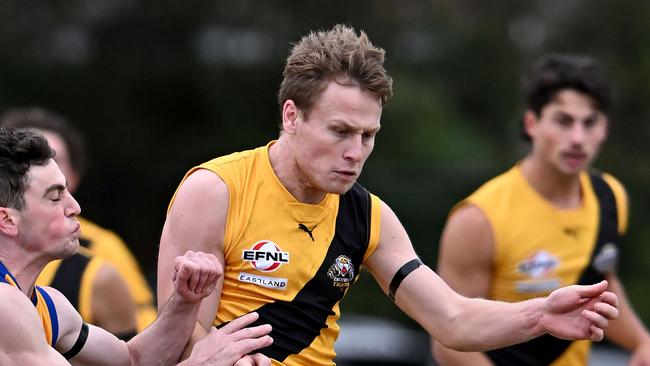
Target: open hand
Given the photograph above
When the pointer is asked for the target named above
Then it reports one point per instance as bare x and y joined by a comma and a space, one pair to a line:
232, 344
580, 312
195, 275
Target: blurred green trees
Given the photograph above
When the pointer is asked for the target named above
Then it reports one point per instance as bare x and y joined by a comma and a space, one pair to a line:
159, 87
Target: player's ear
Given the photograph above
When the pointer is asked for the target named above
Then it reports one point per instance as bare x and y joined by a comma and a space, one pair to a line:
9, 221
290, 116
530, 123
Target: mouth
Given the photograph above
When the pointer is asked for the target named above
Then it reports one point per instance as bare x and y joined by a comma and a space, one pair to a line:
346, 174
77, 230
575, 157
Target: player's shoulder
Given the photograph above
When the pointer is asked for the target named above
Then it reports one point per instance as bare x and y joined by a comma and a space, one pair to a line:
18, 316
59, 299
613, 182
12, 299
471, 210
202, 185
468, 215
16, 309
66, 313
61, 303
231, 158
500, 183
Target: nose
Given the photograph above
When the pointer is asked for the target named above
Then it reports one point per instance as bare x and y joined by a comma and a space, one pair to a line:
72, 208
578, 133
354, 149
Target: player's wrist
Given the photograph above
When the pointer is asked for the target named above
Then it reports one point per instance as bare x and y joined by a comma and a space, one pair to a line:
183, 303
538, 316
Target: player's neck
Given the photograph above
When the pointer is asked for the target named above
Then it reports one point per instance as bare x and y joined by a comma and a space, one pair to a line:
285, 168
561, 190
25, 270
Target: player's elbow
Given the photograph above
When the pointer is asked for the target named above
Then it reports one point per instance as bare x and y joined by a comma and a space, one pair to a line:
457, 332
455, 341
441, 354
448, 333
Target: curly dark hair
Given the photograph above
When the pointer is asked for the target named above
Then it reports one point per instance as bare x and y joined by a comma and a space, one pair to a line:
20, 149
556, 72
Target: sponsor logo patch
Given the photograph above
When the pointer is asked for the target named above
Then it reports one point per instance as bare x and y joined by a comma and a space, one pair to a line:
265, 256
536, 287
341, 272
606, 259
538, 264
268, 282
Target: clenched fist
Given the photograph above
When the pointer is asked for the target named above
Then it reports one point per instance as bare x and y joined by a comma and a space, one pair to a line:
195, 275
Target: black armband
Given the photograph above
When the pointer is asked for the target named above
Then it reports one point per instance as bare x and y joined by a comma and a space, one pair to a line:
401, 274
79, 344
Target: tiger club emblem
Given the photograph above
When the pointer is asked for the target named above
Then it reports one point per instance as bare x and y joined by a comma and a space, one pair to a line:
341, 272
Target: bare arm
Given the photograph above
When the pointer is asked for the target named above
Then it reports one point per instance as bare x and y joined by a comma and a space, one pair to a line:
574, 312
22, 341
196, 221
162, 343
628, 331
117, 317
465, 263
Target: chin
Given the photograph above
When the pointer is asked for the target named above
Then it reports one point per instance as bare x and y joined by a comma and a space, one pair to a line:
342, 189
336, 186
70, 249
573, 170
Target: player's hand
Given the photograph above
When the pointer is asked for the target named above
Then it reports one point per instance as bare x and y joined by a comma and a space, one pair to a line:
232, 344
195, 275
580, 312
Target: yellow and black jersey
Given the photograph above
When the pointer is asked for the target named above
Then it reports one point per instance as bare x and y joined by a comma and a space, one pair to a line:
289, 261
74, 278
108, 246
539, 248
43, 303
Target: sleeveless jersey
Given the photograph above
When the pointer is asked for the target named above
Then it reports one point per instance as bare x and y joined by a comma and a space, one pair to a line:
289, 261
43, 303
539, 248
107, 245
74, 277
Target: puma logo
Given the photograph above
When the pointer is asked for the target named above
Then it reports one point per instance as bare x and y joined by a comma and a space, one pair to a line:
572, 232
304, 228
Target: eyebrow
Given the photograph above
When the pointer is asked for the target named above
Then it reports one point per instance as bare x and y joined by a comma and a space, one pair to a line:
345, 124
54, 187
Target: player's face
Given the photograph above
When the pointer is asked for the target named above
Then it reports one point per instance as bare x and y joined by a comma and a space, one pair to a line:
48, 222
336, 138
568, 133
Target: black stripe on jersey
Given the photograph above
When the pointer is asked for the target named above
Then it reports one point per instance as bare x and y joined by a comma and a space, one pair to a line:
607, 229
543, 350
68, 277
297, 323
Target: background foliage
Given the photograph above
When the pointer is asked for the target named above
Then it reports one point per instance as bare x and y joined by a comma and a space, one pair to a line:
157, 87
